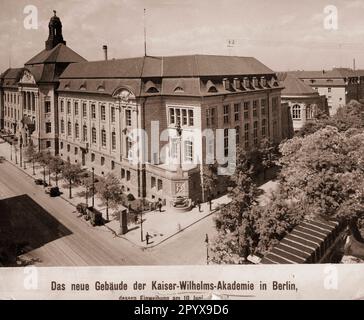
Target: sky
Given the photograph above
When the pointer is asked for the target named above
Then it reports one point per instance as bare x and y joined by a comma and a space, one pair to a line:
283, 34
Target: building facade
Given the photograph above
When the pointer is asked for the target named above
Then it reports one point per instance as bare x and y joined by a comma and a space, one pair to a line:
158, 110
339, 85
304, 102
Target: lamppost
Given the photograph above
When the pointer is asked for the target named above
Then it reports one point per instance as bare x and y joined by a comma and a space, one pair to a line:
207, 248
179, 134
93, 187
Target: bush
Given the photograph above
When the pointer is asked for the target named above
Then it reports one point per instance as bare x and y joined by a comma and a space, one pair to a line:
130, 197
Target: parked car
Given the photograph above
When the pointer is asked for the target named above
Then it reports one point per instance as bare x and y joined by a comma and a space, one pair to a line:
38, 182
52, 191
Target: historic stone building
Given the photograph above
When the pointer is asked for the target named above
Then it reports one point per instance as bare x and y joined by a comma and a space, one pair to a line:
87, 112
303, 101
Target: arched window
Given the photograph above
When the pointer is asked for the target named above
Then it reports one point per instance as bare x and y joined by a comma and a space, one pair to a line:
310, 112
77, 130
103, 137
84, 133
113, 140
296, 112
69, 128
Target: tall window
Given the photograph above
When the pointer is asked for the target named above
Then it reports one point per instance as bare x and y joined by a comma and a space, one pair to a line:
48, 127
84, 109
184, 117
171, 116
76, 108
62, 126
246, 110
77, 130
84, 133
93, 134
47, 107
237, 132
226, 142
236, 111
103, 113
93, 111
129, 147
188, 150
246, 135
275, 102
128, 118
113, 114
255, 108
255, 133
69, 107
174, 148
226, 114
264, 128
113, 140
103, 137
190, 117
178, 114
210, 116
296, 112
263, 105
69, 128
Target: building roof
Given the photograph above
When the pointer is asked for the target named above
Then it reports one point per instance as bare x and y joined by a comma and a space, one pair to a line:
174, 66
11, 77
59, 54
335, 73
294, 86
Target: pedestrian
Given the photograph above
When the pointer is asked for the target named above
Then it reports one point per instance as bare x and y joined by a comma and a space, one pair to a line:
210, 202
147, 237
199, 205
160, 206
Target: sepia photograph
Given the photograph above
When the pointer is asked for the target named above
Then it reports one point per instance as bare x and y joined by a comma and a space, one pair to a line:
195, 146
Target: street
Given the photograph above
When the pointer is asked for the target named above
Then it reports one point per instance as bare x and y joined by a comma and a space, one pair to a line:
84, 245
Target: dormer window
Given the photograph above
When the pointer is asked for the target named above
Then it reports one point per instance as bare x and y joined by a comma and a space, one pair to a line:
255, 82
263, 81
226, 83
246, 82
236, 83
150, 87
179, 90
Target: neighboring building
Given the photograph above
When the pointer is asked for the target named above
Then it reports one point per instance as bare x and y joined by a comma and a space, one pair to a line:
304, 102
86, 111
339, 85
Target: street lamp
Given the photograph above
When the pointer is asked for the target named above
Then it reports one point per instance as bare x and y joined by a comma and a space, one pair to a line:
93, 187
207, 248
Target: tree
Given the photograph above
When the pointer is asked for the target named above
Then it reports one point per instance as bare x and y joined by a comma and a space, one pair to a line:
324, 173
109, 191
43, 159
235, 223
31, 154
268, 155
210, 179
55, 166
71, 173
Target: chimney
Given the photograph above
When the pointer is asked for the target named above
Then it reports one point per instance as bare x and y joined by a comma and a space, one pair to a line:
104, 47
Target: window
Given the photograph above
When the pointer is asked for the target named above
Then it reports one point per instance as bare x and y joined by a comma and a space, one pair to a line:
210, 116
178, 116
188, 150
102, 161
113, 140
237, 132
47, 107
69, 129
93, 134
84, 133
84, 109
255, 108
76, 108
246, 135
184, 117
92, 157
263, 105
68, 148
129, 146
226, 142
62, 126
103, 137
48, 127
328, 89
174, 148
93, 111
153, 182
112, 165
127, 175
296, 112
48, 144
190, 118
160, 185
264, 127
171, 116
61, 145
113, 119
255, 133
226, 114
122, 173
246, 110
103, 113
236, 111
69, 107
76, 151
275, 102
128, 118
77, 130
